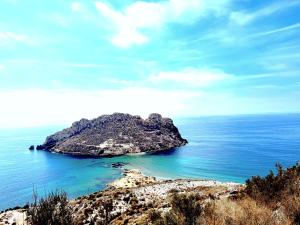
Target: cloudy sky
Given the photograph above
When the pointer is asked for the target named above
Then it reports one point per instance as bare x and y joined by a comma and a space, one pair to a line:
64, 60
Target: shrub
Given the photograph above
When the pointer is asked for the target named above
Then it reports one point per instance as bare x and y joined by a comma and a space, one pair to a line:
54, 209
154, 216
106, 207
185, 210
242, 212
292, 208
186, 207
274, 187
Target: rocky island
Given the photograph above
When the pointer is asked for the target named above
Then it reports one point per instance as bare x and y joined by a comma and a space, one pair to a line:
116, 134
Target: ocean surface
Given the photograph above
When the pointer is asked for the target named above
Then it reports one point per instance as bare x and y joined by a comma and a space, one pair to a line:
225, 148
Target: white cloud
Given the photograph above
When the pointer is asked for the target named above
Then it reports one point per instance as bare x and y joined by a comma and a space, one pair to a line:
223, 103
127, 37
82, 10
243, 18
10, 39
76, 6
11, 36
192, 77
37, 107
34, 107
126, 25
284, 73
2, 67
279, 30
130, 23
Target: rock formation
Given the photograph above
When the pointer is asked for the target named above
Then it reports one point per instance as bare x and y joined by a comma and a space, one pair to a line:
115, 134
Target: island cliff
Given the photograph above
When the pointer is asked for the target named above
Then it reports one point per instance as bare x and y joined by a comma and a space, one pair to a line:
116, 134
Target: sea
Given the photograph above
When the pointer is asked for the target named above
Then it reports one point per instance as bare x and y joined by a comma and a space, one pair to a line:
223, 148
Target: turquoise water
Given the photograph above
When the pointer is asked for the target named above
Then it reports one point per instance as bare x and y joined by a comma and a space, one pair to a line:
229, 148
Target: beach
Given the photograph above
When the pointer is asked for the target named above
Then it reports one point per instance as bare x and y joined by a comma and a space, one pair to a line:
135, 188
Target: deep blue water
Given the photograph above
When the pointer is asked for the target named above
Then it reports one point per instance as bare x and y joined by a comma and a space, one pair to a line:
229, 148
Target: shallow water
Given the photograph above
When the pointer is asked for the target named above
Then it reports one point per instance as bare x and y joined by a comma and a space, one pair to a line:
229, 148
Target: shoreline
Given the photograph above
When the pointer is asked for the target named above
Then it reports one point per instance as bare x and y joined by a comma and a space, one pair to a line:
146, 188
129, 176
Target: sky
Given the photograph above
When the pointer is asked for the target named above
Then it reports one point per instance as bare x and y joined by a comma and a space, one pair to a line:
65, 60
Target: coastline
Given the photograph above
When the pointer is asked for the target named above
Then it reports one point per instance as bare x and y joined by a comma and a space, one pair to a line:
135, 186
222, 159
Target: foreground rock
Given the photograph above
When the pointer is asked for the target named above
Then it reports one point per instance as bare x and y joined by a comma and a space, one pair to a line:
134, 196
13, 217
115, 134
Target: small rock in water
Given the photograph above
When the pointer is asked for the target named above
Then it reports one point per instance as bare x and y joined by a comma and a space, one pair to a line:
118, 165
31, 147
39, 147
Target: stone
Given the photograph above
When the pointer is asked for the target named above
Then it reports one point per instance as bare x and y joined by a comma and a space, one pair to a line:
39, 147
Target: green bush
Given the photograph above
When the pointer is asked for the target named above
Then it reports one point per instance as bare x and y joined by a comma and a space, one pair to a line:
185, 210
280, 189
54, 209
274, 187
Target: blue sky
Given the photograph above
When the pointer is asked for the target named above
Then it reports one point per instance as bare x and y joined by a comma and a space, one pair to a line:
63, 60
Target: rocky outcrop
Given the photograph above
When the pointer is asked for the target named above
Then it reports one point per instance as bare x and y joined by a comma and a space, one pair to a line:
39, 147
115, 134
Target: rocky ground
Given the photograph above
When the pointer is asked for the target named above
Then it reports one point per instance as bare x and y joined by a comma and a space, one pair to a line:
135, 195
13, 217
132, 178
130, 199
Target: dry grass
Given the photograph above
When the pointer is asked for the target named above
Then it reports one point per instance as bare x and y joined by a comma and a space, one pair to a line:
241, 212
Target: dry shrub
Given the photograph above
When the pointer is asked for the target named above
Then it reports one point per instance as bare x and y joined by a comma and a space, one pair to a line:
186, 206
155, 216
185, 210
280, 192
292, 208
242, 212
105, 210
